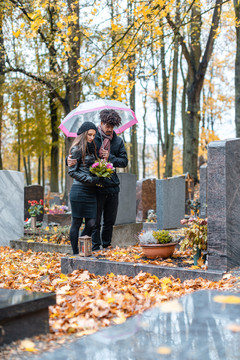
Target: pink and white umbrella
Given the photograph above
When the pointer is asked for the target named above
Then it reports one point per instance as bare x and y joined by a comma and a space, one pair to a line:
90, 110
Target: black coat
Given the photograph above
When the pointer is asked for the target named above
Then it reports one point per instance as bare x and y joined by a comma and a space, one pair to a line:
80, 172
118, 157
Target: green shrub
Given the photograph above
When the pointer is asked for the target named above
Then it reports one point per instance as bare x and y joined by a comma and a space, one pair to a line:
162, 236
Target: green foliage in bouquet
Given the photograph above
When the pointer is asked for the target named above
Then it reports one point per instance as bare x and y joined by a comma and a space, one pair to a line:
102, 168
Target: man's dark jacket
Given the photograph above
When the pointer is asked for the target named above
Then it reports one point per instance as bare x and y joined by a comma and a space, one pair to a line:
118, 157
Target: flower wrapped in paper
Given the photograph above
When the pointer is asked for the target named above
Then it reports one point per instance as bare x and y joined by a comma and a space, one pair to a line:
102, 168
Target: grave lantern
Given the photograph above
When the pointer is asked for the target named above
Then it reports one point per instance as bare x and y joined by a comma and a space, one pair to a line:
85, 245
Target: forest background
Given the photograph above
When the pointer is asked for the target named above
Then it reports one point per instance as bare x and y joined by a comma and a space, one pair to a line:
174, 62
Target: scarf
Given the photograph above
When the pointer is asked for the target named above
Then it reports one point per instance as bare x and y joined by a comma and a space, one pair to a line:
106, 145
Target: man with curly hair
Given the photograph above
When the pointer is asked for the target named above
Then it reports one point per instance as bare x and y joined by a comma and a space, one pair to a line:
111, 148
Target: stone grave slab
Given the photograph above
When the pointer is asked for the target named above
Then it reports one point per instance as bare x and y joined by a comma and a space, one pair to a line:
11, 206
127, 199
223, 197
104, 267
146, 197
23, 314
32, 192
193, 327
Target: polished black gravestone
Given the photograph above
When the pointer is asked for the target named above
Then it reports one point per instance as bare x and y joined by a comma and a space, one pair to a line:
23, 314
194, 327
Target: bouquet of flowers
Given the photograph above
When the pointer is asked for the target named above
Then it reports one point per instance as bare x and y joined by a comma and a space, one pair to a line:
102, 168
35, 207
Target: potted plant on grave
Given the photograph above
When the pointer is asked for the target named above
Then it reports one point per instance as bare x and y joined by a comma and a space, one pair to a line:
195, 236
157, 244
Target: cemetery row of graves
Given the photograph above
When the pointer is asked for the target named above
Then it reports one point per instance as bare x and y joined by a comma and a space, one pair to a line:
71, 296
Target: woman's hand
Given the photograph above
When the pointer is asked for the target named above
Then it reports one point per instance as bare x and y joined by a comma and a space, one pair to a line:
71, 161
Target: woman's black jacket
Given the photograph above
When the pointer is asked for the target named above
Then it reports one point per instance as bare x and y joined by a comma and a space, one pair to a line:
80, 171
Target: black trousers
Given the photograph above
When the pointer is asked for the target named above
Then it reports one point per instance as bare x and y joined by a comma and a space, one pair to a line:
107, 206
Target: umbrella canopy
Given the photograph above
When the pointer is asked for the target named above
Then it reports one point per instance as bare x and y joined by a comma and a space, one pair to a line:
90, 110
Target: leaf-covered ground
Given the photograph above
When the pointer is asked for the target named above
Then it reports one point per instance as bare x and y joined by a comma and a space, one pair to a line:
86, 302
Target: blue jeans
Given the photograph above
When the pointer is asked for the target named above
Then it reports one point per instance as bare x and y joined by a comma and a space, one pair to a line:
107, 206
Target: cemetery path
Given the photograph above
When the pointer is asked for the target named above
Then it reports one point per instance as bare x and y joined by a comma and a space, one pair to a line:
85, 302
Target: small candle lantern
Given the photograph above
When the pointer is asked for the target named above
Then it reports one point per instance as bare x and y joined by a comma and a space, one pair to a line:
85, 245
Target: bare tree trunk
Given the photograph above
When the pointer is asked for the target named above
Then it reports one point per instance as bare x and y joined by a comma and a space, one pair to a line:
169, 157
237, 69
39, 170
144, 130
54, 148
43, 171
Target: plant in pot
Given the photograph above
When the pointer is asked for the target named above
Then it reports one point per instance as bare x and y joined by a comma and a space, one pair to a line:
157, 244
195, 236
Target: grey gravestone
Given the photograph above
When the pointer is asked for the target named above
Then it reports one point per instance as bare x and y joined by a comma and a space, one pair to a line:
223, 196
194, 327
32, 192
171, 199
203, 191
11, 206
23, 314
127, 199
55, 201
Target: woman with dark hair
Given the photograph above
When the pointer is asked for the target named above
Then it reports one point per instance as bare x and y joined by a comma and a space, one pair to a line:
83, 192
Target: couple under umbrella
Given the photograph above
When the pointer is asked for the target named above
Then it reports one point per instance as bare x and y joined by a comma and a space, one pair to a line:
93, 197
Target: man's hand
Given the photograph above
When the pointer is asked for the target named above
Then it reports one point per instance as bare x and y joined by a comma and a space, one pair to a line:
105, 154
71, 161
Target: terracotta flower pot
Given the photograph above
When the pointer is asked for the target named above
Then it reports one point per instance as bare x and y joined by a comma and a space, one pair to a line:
152, 251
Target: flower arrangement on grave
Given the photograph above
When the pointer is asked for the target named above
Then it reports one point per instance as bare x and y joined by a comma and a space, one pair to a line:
56, 209
158, 243
155, 237
102, 168
36, 208
194, 205
195, 234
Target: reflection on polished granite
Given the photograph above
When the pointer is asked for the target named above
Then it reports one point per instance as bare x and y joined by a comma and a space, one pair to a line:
23, 314
194, 327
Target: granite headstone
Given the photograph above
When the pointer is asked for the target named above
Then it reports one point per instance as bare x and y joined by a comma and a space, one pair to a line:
32, 192
171, 200
11, 206
127, 199
146, 197
223, 197
203, 191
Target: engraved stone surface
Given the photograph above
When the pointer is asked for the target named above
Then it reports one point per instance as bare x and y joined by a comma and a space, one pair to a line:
203, 191
32, 192
23, 314
171, 199
127, 199
11, 206
223, 196
194, 327
146, 197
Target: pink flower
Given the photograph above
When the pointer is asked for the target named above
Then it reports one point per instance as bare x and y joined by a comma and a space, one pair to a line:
109, 166
95, 164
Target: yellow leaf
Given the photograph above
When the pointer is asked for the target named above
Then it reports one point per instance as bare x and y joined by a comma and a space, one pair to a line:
47, 228
28, 345
17, 33
110, 300
75, 38
171, 306
111, 275
233, 327
120, 319
27, 288
30, 240
227, 299
63, 277
164, 350
55, 228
